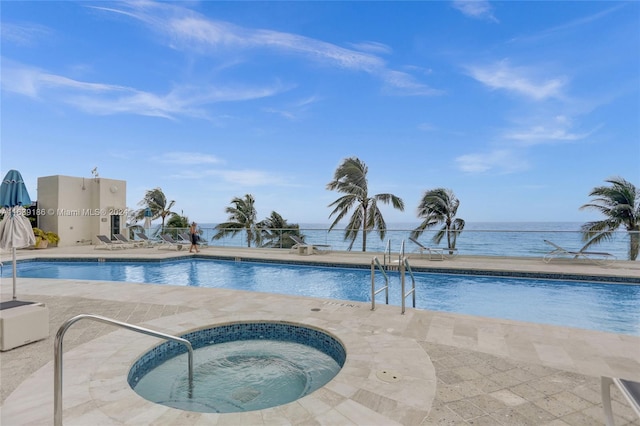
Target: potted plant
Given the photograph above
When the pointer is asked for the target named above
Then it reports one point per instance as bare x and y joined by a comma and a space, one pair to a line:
44, 238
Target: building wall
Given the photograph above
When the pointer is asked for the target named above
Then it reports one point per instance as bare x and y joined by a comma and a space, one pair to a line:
79, 209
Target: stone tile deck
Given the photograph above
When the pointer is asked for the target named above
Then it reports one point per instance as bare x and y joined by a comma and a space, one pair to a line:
454, 369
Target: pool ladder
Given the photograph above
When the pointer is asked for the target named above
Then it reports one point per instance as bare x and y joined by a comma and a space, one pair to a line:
402, 266
57, 378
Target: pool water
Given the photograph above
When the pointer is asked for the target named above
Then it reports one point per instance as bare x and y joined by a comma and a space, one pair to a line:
239, 376
589, 305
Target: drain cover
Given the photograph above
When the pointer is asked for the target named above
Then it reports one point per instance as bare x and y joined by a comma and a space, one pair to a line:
388, 376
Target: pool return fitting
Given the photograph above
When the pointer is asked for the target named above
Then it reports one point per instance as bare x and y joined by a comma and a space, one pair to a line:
57, 363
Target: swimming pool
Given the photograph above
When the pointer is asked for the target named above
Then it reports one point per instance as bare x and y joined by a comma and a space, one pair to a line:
596, 306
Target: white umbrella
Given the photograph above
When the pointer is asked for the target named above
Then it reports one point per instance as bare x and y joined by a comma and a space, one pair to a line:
15, 229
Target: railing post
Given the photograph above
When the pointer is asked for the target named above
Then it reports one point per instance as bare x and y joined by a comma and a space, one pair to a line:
373, 285
402, 295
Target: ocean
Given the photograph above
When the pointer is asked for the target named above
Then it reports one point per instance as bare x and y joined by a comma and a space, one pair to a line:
520, 239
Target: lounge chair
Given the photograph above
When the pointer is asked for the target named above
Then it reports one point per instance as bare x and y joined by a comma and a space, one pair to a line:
184, 238
306, 248
108, 244
187, 239
127, 242
169, 243
597, 257
435, 253
629, 389
146, 240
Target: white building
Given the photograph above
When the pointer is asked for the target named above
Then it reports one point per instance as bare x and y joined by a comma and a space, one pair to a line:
79, 209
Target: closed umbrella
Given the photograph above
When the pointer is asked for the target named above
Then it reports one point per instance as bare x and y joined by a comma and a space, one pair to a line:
147, 219
15, 229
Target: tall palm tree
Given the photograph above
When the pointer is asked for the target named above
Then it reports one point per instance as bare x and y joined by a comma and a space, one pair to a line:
156, 201
350, 178
177, 223
440, 206
276, 231
620, 203
242, 216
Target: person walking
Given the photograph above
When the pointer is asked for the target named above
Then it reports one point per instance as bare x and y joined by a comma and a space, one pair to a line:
194, 238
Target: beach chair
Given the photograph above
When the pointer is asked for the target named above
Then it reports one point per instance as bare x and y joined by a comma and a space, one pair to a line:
127, 242
435, 253
187, 237
146, 240
597, 257
169, 243
108, 244
629, 389
184, 238
307, 249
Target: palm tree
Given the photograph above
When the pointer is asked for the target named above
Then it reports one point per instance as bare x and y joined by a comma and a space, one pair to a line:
440, 206
156, 201
276, 231
620, 203
350, 178
242, 216
132, 223
177, 223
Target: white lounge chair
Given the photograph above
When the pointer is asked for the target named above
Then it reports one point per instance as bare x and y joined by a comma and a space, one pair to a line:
629, 389
306, 248
108, 244
146, 240
169, 243
597, 257
187, 239
184, 238
127, 242
435, 253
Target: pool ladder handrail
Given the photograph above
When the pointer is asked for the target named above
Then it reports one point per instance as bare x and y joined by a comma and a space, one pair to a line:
376, 263
404, 266
57, 377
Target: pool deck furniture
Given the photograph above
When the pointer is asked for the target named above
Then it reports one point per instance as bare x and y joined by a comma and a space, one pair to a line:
148, 242
169, 243
488, 370
22, 323
106, 243
629, 389
124, 240
598, 257
435, 253
306, 249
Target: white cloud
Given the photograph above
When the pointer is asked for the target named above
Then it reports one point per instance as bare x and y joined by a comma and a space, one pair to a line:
240, 178
372, 47
186, 158
479, 9
188, 30
500, 161
106, 99
559, 129
24, 34
520, 80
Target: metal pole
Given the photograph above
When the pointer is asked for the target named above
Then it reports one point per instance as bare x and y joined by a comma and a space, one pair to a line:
13, 250
373, 285
401, 266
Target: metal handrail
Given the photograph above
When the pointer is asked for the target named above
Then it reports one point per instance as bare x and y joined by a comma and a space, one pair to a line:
404, 266
57, 378
387, 252
375, 262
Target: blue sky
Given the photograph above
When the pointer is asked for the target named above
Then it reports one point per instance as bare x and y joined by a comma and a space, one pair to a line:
520, 108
